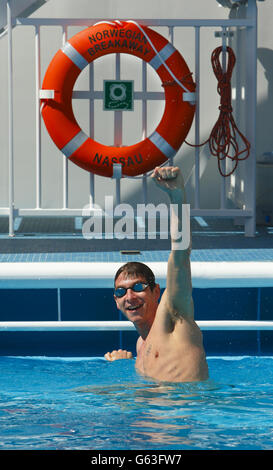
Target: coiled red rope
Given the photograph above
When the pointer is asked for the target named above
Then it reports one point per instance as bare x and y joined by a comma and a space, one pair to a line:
225, 139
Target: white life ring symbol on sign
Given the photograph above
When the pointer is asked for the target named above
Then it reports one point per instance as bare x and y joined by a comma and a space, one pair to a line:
117, 92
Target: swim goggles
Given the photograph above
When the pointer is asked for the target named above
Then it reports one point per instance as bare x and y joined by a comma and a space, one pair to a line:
137, 287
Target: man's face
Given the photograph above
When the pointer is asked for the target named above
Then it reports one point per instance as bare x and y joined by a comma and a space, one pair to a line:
138, 307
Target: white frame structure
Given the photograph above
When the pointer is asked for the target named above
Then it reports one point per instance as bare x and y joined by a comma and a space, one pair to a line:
248, 23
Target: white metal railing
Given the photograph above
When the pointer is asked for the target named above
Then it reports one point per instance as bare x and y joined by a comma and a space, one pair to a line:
126, 325
248, 24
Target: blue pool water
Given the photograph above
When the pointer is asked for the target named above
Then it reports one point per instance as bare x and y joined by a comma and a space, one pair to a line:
88, 403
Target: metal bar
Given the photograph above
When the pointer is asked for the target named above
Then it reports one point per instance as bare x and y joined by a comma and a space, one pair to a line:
251, 110
171, 40
118, 114
143, 96
197, 120
138, 95
235, 325
243, 22
222, 212
216, 325
38, 116
145, 188
10, 118
117, 191
244, 213
91, 130
91, 189
65, 160
144, 122
66, 326
49, 212
171, 34
118, 129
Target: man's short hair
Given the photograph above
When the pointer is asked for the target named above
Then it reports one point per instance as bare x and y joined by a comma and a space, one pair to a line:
135, 268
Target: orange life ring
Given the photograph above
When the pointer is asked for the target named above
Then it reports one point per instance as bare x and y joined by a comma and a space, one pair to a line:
118, 37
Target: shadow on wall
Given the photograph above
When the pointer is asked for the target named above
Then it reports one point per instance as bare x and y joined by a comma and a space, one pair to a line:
265, 108
264, 195
185, 160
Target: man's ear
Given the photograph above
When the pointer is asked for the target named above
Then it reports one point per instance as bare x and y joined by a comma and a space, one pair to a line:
157, 290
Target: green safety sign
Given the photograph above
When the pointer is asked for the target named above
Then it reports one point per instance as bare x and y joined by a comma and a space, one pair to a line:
118, 95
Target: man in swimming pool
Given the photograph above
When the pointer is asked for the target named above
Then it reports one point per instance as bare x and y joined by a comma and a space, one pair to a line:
170, 345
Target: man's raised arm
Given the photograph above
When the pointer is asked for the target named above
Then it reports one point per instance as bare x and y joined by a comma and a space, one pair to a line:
178, 293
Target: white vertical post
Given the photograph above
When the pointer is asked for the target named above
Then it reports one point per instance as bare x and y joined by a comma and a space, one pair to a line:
38, 116
239, 49
91, 132
197, 119
118, 114
118, 128
171, 40
10, 101
117, 191
65, 159
251, 106
144, 101
144, 123
91, 189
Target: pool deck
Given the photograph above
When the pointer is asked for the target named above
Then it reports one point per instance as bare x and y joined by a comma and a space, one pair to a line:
49, 240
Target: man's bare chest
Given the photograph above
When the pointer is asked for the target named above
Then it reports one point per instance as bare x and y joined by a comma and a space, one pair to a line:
150, 356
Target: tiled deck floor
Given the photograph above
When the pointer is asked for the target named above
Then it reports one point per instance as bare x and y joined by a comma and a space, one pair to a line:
55, 239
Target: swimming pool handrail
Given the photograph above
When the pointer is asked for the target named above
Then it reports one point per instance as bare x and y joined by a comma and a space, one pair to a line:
206, 325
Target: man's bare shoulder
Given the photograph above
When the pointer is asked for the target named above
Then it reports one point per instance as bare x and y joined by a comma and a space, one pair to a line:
170, 318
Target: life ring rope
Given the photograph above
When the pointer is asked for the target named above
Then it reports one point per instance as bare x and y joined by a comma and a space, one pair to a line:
226, 141
162, 144
163, 55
